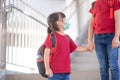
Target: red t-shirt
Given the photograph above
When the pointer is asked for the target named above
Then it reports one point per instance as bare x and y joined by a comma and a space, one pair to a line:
60, 62
103, 23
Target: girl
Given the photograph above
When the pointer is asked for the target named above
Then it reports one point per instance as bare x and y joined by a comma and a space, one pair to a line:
59, 67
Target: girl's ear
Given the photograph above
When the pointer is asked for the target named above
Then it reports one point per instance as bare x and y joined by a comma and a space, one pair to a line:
57, 22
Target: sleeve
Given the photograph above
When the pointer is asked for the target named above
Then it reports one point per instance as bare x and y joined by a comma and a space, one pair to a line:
73, 46
116, 4
48, 42
91, 11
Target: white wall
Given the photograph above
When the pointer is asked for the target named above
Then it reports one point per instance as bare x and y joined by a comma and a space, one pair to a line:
47, 6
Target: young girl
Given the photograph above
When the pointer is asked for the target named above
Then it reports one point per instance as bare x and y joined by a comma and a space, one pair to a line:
59, 67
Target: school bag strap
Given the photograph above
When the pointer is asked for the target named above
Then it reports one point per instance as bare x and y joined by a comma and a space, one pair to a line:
54, 44
53, 39
111, 5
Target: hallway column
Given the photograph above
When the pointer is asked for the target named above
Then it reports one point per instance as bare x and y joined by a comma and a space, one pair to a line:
3, 29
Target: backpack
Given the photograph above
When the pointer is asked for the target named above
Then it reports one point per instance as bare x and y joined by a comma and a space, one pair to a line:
111, 4
40, 54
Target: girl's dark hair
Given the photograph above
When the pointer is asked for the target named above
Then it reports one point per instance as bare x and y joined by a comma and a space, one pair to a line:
51, 20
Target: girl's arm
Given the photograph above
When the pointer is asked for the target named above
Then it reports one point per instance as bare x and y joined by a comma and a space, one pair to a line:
46, 62
90, 39
81, 49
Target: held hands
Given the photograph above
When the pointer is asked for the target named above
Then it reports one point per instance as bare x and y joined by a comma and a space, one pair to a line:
115, 42
91, 46
49, 72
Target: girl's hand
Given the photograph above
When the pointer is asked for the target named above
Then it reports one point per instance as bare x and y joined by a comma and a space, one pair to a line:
49, 73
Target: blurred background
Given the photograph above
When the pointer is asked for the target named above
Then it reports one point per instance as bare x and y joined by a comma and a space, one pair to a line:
23, 25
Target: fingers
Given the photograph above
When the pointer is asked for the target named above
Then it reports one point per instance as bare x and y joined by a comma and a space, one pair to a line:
115, 44
90, 48
49, 73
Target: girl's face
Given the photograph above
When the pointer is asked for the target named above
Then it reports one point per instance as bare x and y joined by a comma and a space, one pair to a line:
61, 23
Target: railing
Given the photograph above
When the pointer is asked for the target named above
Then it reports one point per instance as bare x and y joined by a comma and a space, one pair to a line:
24, 37
24, 34
26, 8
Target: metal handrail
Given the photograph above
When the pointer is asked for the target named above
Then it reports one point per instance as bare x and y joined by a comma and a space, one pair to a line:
33, 9
22, 66
26, 4
12, 6
30, 16
7, 7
